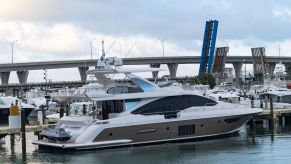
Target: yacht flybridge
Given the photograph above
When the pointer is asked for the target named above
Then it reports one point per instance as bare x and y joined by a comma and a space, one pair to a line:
140, 112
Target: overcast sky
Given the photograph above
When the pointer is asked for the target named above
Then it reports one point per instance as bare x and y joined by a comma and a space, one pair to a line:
60, 29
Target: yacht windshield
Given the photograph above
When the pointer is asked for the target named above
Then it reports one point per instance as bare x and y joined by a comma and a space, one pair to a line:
2, 102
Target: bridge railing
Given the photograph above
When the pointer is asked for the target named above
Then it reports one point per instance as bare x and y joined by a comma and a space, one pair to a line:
45, 84
47, 61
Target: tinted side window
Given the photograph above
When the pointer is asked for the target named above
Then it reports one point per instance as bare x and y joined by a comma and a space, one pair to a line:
173, 104
158, 109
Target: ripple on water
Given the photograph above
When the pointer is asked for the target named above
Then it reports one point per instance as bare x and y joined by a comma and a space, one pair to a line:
263, 146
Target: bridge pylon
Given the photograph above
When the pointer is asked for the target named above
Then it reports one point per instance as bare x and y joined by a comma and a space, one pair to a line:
22, 76
4, 77
82, 71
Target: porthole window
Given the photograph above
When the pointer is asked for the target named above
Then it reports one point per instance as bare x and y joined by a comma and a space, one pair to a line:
201, 125
110, 134
231, 120
168, 128
218, 121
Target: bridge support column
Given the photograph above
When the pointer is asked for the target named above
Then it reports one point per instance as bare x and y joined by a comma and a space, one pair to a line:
82, 71
22, 76
173, 69
237, 70
155, 74
4, 77
270, 68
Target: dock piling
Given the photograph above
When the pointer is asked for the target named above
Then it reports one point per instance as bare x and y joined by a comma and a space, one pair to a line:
283, 121
84, 109
12, 140
67, 109
253, 124
62, 110
272, 115
272, 118
43, 116
22, 130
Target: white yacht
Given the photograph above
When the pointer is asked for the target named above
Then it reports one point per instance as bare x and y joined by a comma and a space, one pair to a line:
143, 113
280, 70
5, 103
220, 95
37, 98
275, 88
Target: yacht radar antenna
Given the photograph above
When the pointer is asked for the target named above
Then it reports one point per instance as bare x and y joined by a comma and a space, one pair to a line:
280, 53
103, 52
101, 61
109, 61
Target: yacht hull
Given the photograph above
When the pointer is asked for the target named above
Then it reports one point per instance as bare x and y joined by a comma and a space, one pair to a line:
172, 130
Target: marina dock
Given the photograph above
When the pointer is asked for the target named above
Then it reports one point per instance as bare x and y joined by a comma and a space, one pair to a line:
34, 128
266, 114
277, 112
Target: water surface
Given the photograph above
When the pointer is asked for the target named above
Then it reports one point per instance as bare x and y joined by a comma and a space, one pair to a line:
260, 146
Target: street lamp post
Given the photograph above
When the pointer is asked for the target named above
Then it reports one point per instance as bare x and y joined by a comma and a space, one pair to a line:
12, 47
245, 71
46, 80
162, 41
244, 60
91, 46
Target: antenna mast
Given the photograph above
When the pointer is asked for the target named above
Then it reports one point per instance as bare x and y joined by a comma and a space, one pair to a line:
103, 51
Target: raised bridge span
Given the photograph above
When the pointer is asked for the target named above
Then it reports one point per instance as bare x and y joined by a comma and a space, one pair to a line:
23, 69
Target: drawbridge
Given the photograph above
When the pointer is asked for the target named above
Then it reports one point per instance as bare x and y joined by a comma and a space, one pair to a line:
208, 47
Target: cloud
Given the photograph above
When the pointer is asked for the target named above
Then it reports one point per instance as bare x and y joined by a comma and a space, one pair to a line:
71, 40
61, 41
26, 10
282, 11
178, 20
59, 30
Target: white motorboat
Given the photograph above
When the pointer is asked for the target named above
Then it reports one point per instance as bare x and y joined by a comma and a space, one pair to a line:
5, 104
37, 98
143, 113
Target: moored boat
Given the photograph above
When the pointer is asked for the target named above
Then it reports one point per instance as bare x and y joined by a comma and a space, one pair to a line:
143, 113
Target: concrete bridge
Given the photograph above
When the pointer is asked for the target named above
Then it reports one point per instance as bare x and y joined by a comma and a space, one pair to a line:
17, 89
22, 69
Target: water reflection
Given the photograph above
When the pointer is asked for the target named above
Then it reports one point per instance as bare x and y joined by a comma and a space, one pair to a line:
263, 142
174, 152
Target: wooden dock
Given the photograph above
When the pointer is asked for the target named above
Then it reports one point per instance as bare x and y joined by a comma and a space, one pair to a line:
7, 130
276, 112
266, 114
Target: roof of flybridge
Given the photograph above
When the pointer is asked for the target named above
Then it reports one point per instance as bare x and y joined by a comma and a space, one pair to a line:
130, 61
